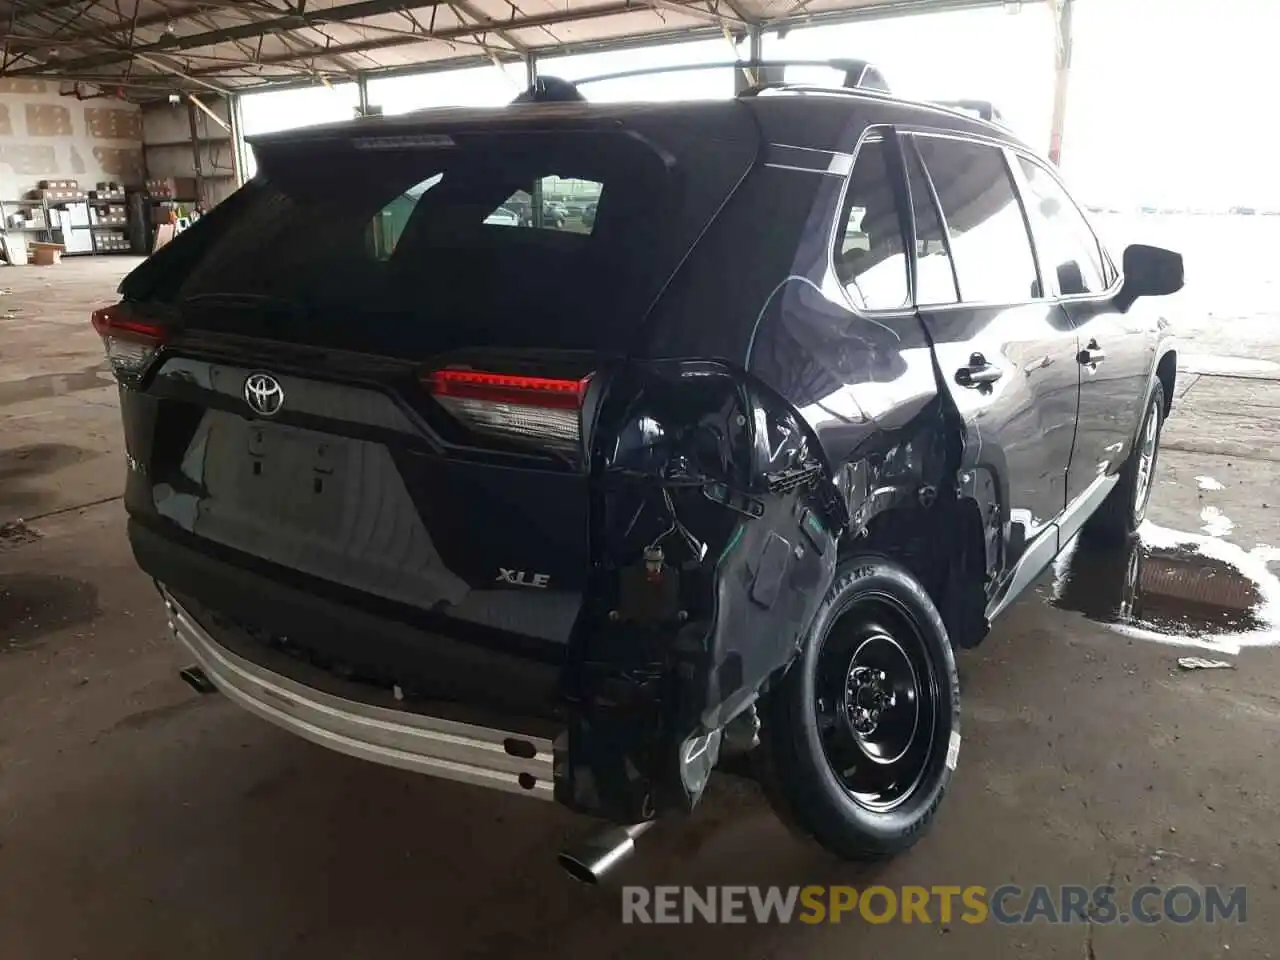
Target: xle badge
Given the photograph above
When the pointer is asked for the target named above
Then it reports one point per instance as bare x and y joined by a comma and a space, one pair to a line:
522, 578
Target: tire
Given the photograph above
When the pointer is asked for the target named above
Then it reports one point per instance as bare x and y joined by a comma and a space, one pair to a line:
875, 615
1120, 515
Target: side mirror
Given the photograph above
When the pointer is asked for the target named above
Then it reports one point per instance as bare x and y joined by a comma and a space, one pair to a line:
1149, 272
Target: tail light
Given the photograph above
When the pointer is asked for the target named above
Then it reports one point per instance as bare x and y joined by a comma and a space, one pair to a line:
541, 411
130, 342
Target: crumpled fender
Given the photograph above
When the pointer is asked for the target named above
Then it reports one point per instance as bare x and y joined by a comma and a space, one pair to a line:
714, 524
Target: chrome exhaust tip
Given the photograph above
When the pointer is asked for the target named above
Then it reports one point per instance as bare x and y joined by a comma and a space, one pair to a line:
197, 680
597, 856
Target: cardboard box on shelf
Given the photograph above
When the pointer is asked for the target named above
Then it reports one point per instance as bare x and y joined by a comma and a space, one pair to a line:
25, 221
172, 188
113, 242
60, 195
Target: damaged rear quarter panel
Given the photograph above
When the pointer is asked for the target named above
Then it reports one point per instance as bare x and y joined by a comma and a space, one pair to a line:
753, 456
714, 525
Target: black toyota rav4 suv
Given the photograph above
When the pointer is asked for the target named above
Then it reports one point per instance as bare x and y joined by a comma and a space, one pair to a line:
841, 375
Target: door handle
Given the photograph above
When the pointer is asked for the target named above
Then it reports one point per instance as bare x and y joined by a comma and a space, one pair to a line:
978, 373
1091, 354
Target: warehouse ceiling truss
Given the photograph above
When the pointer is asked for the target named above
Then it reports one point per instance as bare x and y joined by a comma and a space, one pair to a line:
147, 48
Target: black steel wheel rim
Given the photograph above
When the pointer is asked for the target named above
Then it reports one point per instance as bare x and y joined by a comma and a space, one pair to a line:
876, 696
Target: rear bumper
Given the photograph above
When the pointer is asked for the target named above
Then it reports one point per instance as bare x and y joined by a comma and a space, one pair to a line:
468, 753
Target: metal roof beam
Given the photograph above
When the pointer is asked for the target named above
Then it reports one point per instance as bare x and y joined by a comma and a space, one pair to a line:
453, 33
243, 31
500, 27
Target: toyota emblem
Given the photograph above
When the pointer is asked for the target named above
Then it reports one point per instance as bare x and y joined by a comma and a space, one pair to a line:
264, 394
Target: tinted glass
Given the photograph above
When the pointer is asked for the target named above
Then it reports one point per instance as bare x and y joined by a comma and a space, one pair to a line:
935, 280
1067, 246
989, 241
383, 232
870, 256
408, 252
567, 204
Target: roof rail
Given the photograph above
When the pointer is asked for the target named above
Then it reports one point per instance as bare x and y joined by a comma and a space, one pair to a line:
858, 74
985, 109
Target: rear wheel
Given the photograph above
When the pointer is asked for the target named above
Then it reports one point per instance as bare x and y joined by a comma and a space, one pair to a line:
1126, 506
861, 737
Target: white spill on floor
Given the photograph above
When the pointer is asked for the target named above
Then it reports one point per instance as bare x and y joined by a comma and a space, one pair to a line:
1222, 366
1215, 522
1208, 483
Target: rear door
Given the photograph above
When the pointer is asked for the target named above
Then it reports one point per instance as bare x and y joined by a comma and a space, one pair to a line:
1116, 351
1006, 351
379, 380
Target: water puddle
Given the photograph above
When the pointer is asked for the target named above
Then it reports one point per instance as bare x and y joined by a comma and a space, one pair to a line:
54, 384
1209, 483
36, 459
1174, 587
33, 605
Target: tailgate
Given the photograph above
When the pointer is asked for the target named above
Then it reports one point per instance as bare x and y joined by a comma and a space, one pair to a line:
350, 484
353, 287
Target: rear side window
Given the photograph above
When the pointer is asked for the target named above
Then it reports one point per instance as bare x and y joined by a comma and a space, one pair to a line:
869, 256
1067, 245
989, 240
935, 278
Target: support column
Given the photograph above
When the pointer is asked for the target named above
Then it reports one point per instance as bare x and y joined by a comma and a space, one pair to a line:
238, 159
1062, 76
362, 91
755, 52
202, 201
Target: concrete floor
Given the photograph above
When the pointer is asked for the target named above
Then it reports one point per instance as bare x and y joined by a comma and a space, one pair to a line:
139, 820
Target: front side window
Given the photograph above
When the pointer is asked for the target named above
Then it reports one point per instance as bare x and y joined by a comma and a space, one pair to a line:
989, 241
1067, 245
870, 256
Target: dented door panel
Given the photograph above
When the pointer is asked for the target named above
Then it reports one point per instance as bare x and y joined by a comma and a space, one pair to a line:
851, 374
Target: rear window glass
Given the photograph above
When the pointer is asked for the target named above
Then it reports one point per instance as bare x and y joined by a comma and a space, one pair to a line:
411, 251
555, 203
